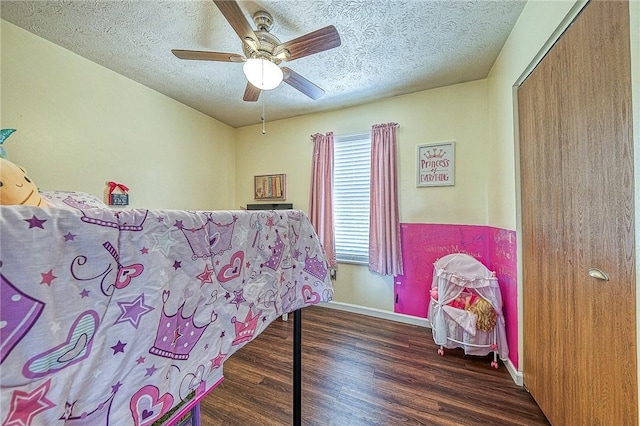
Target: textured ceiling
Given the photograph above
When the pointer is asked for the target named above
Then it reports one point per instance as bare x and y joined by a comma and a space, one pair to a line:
389, 47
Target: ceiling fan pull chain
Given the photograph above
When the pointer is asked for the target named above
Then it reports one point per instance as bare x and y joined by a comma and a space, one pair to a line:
264, 131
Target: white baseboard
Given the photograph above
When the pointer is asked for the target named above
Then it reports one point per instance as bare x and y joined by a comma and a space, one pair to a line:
378, 313
516, 375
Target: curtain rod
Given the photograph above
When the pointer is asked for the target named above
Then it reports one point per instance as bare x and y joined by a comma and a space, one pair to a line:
357, 134
365, 132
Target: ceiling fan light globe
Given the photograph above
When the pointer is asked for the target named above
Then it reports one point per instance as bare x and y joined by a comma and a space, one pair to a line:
263, 74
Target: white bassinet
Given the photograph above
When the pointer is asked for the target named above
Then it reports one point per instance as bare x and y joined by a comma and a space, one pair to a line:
453, 326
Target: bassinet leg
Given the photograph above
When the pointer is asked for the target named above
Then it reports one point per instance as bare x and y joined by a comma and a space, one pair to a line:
494, 346
494, 363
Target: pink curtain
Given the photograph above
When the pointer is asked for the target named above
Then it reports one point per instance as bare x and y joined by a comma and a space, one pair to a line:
385, 255
321, 198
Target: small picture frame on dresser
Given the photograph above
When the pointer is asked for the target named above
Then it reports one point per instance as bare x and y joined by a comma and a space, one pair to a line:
270, 187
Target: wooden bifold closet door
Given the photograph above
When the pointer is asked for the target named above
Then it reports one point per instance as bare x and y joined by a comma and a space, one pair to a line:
576, 159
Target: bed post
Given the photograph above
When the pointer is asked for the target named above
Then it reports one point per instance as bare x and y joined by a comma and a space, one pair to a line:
297, 367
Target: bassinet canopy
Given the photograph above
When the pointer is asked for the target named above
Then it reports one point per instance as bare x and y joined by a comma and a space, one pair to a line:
452, 275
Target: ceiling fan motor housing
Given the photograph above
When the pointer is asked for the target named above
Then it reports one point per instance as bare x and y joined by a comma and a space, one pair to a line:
267, 41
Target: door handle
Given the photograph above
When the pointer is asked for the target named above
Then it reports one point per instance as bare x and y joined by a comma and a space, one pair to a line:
598, 274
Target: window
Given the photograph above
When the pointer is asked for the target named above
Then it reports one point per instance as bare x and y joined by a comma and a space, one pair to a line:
351, 181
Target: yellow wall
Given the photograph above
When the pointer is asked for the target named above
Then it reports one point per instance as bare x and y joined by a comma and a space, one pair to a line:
457, 113
80, 125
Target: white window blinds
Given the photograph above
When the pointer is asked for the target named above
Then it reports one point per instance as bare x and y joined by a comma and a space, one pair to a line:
352, 171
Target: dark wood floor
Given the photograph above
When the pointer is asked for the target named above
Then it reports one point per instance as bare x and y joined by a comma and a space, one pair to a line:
359, 370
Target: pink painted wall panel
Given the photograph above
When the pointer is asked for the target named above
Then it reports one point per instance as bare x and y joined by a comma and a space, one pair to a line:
503, 261
423, 244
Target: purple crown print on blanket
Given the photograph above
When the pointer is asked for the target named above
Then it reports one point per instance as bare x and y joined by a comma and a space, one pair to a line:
177, 335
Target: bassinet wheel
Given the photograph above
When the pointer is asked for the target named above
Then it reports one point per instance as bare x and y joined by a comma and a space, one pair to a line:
494, 364
440, 351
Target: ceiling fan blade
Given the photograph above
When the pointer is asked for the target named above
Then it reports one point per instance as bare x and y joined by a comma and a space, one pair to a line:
251, 93
317, 41
233, 14
198, 55
300, 83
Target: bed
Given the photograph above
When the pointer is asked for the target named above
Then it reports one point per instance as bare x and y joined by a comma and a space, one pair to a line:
125, 317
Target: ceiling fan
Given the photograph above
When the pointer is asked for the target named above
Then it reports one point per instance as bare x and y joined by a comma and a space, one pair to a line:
263, 52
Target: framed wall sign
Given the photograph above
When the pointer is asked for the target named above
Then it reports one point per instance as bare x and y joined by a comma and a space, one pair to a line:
436, 164
270, 187
119, 199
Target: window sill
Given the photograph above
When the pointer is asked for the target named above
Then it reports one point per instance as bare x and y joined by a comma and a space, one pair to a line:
353, 262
